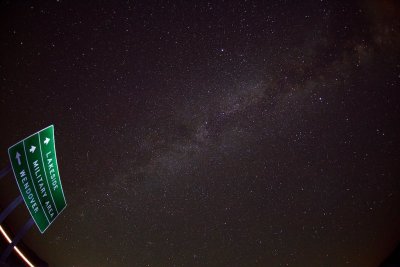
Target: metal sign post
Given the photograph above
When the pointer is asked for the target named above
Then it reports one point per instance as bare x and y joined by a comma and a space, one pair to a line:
10, 208
5, 171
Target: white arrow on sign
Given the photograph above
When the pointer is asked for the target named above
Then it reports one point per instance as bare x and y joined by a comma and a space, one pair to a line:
18, 157
32, 149
46, 141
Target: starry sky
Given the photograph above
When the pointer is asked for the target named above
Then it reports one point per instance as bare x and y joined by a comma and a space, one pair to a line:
194, 133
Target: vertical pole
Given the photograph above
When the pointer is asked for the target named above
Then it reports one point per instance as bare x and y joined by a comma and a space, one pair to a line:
16, 239
5, 171
10, 208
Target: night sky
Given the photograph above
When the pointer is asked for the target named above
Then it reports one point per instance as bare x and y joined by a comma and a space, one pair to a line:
193, 133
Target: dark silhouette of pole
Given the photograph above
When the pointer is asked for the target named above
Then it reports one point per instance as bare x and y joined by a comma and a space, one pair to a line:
5, 171
10, 208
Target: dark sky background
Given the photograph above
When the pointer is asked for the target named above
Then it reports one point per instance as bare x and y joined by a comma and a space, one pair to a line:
194, 133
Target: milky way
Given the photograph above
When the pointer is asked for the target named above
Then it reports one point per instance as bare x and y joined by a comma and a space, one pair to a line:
210, 134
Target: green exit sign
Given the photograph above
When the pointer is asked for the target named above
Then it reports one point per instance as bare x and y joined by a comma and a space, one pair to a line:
35, 168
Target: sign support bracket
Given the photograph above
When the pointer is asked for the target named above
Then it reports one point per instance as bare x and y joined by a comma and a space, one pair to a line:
15, 203
5, 171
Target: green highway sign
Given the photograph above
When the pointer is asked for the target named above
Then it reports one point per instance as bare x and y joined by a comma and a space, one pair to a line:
34, 163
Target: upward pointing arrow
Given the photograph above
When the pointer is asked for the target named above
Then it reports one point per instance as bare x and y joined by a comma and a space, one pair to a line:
18, 157
46, 141
32, 149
